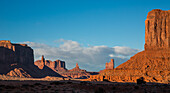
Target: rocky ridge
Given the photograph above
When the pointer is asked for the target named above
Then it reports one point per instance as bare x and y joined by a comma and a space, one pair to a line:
59, 67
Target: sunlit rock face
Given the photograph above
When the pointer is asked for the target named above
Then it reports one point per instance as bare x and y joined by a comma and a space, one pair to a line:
154, 62
57, 66
110, 65
157, 30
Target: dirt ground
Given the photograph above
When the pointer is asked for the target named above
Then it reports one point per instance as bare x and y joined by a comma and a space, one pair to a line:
71, 86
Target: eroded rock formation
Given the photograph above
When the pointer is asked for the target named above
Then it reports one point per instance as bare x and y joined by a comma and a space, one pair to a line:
18, 60
157, 30
57, 65
77, 68
110, 65
153, 64
14, 54
76, 73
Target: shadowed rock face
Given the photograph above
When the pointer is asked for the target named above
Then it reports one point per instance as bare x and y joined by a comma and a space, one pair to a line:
154, 62
18, 60
14, 54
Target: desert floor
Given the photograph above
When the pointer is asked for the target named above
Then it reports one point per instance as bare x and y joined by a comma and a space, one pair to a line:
72, 86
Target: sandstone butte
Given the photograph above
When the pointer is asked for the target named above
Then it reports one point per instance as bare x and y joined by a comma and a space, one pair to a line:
56, 66
153, 64
18, 60
59, 67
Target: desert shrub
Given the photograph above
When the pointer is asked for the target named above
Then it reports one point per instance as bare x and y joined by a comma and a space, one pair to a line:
10, 87
106, 80
25, 85
69, 82
37, 84
83, 82
56, 83
44, 89
136, 87
2, 86
99, 90
94, 80
73, 91
165, 85
113, 88
48, 86
32, 86
141, 81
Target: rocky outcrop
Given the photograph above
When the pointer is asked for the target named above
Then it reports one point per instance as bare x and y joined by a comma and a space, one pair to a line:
76, 73
18, 60
18, 72
14, 54
77, 68
153, 64
157, 30
110, 65
57, 66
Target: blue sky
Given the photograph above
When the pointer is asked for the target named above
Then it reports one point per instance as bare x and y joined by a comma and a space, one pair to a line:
89, 22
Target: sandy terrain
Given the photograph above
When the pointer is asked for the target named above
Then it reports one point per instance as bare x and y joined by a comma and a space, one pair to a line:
72, 86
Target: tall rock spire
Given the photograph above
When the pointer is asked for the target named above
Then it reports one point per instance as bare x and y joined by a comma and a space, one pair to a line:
42, 62
110, 65
77, 66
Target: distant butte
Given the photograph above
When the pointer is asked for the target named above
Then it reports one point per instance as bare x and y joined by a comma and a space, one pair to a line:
18, 60
56, 66
60, 67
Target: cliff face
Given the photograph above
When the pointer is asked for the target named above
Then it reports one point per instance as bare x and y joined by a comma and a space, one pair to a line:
154, 62
157, 30
14, 54
157, 40
18, 60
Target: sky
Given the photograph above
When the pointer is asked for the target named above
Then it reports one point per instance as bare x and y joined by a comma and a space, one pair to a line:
87, 32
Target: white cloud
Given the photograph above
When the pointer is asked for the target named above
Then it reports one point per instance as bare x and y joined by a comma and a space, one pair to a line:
91, 58
125, 51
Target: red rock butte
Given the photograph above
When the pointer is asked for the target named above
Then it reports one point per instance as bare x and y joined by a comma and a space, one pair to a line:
56, 66
18, 60
157, 30
154, 62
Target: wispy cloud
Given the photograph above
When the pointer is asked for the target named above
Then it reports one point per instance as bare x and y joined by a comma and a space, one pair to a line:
92, 58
